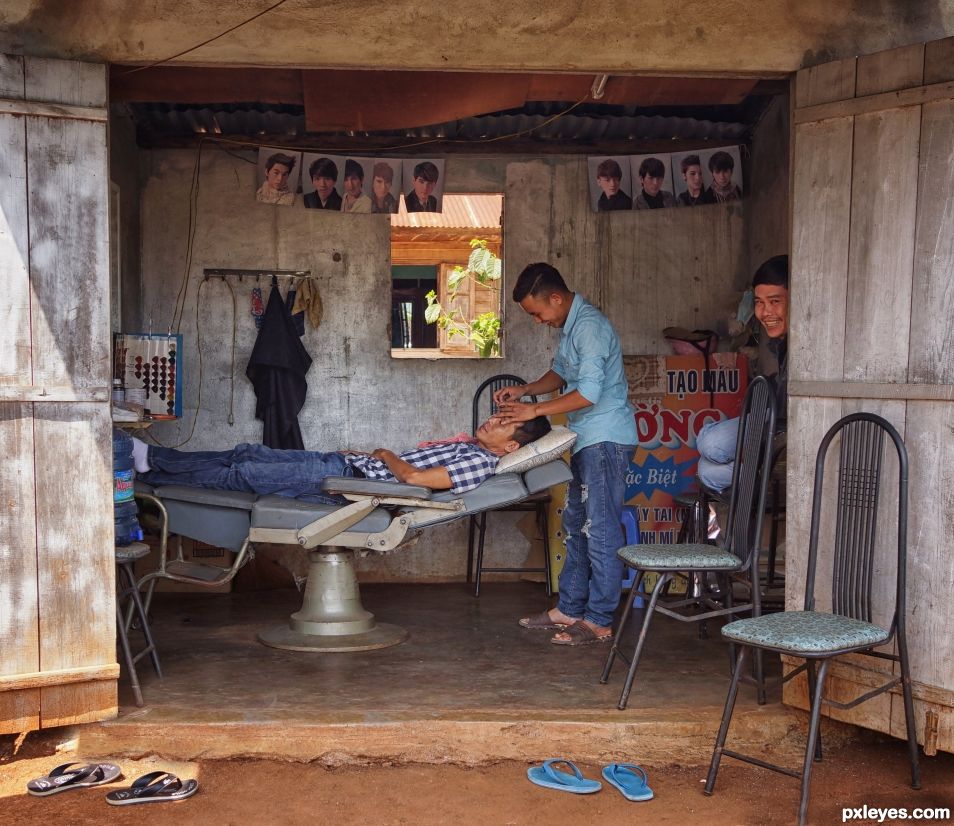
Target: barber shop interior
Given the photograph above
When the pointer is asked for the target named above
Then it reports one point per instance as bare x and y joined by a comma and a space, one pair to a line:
480, 416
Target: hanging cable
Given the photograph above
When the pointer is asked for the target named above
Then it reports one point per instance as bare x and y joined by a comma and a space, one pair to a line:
231, 418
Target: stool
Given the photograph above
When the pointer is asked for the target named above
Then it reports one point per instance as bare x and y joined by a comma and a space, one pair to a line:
126, 588
629, 519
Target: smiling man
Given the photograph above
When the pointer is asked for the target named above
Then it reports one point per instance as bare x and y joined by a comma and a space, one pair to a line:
716, 440
588, 367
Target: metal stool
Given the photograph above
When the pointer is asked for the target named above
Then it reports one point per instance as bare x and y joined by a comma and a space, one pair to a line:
126, 588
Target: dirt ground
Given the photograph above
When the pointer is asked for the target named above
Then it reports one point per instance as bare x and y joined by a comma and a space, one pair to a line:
262, 793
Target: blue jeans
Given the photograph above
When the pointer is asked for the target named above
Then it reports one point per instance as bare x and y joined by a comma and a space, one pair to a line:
250, 469
716, 446
591, 579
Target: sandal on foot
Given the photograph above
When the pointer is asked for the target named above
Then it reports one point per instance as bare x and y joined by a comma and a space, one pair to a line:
630, 779
542, 622
155, 787
74, 776
581, 634
552, 778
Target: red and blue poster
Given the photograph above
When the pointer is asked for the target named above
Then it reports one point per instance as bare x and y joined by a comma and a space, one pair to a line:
674, 396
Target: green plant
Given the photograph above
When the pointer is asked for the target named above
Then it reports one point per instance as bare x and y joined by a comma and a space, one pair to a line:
483, 270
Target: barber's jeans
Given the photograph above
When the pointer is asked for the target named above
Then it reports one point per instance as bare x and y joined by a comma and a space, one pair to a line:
249, 468
591, 579
716, 446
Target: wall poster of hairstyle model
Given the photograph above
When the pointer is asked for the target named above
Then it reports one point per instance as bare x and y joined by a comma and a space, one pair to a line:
424, 185
278, 173
661, 180
321, 181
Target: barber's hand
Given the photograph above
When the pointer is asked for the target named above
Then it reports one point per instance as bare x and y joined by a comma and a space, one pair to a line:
510, 412
505, 394
381, 453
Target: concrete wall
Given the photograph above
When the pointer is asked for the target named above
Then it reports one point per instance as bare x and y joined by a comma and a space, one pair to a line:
646, 270
598, 35
767, 224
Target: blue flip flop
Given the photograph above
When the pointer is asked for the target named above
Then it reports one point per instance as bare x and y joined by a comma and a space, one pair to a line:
552, 778
630, 779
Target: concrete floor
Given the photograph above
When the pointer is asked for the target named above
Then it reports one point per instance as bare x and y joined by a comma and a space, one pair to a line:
469, 686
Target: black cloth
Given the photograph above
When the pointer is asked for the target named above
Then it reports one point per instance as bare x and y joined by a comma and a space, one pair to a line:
773, 364
312, 201
619, 201
413, 204
277, 370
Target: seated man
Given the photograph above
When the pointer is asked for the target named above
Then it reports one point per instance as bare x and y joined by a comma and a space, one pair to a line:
459, 464
716, 441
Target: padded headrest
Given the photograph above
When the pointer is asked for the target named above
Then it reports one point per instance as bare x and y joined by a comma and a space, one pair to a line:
543, 450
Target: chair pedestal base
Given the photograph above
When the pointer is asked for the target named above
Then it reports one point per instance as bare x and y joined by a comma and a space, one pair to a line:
332, 618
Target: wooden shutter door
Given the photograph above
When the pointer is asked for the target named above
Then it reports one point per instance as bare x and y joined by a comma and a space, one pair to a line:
872, 303
57, 603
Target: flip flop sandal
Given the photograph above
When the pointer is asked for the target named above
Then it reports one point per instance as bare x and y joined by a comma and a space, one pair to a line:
74, 776
155, 787
542, 622
552, 778
630, 779
581, 634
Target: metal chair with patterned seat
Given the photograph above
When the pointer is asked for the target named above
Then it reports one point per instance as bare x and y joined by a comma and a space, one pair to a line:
735, 555
483, 406
819, 636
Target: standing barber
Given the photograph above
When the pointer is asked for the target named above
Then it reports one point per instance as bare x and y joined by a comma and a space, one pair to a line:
589, 367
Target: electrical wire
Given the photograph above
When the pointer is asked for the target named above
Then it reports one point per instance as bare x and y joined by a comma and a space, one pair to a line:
204, 42
231, 418
176, 322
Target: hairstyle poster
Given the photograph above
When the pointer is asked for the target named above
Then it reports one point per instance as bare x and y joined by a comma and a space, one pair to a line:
384, 185
652, 181
610, 183
321, 181
689, 186
423, 185
722, 173
355, 185
278, 175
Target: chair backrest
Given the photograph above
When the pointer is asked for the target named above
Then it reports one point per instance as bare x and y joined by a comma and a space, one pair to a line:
483, 405
750, 474
861, 454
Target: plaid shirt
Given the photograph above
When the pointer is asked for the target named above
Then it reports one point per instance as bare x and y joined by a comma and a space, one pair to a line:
467, 463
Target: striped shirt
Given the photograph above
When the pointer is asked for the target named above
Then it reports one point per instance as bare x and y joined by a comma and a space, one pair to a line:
467, 463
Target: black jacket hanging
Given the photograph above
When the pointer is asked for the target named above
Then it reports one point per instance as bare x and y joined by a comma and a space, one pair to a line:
277, 370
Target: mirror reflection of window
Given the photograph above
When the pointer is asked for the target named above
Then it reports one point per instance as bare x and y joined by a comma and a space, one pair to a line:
425, 249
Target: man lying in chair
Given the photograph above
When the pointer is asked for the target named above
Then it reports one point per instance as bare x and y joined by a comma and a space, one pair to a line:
459, 464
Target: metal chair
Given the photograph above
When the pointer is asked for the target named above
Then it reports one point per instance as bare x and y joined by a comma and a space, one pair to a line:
736, 554
820, 636
482, 407
128, 589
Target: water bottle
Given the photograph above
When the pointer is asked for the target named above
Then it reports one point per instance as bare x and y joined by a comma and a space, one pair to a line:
125, 511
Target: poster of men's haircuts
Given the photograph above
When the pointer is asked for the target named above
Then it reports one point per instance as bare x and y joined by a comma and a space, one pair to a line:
321, 181
609, 183
423, 185
652, 182
355, 183
278, 173
385, 185
689, 186
722, 174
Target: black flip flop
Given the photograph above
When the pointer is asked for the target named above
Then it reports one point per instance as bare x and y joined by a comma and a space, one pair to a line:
155, 787
74, 776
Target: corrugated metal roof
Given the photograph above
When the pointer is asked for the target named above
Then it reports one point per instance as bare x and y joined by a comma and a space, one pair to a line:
460, 211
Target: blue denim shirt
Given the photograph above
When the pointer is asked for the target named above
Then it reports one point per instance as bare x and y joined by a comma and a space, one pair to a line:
589, 359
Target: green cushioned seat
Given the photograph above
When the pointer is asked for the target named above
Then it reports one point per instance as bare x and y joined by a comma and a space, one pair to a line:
678, 557
805, 632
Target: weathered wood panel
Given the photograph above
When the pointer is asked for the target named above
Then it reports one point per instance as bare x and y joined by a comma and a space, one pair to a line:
69, 252
11, 76
821, 177
881, 248
76, 580
901, 68
825, 83
71, 83
19, 633
932, 331
939, 60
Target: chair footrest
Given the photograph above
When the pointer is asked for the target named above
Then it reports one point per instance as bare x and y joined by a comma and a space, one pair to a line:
197, 572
